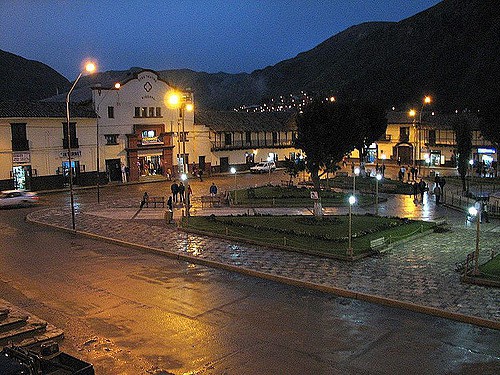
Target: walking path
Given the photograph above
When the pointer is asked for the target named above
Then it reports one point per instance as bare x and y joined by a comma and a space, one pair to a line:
418, 274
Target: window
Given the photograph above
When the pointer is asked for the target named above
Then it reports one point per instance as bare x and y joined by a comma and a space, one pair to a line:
151, 112
111, 139
248, 138
72, 130
19, 140
432, 137
137, 112
404, 134
228, 139
111, 112
275, 138
144, 111
183, 137
158, 111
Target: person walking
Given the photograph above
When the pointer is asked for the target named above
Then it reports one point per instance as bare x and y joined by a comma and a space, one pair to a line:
422, 188
174, 188
145, 199
182, 190
437, 193
213, 190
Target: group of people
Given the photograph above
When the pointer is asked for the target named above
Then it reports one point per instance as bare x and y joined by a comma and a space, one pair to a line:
419, 188
410, 172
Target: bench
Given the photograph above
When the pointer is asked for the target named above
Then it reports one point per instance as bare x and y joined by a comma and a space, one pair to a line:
377, 243
342, 174
211, 201
155, 201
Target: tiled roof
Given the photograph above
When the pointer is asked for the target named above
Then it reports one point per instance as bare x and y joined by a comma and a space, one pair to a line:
33, 109
233, 121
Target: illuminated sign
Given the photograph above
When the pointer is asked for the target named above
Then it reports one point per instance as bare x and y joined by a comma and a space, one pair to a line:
485, 150
20, 157
151, 141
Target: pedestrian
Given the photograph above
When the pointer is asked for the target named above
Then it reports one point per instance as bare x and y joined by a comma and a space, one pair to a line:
437, 193
170, 204
213, 190
408, 173
169, 174
383, 169
124, 172
484, 211
415, 192
200, 174
182, 190
174, 188
442, 182
422, 188
145, 199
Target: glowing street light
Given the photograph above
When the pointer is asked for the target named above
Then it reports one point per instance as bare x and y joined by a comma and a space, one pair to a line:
90, 67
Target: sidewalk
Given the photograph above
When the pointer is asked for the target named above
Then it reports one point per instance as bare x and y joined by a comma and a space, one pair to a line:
418, 275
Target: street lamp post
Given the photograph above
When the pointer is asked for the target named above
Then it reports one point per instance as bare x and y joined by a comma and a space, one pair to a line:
233, 171
473, 211
97, 110
378, 177
89, 67
184, 103
356, 173
352, 200
418, 128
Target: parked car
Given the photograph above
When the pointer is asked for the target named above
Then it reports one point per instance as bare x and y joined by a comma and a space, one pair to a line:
18, 198
263, 167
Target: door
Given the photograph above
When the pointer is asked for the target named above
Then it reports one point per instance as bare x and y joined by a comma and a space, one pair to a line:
404, 154
224, 164
201, 163
113, 169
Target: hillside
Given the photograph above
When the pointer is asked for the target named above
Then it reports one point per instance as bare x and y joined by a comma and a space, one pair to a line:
450, 51
22, 79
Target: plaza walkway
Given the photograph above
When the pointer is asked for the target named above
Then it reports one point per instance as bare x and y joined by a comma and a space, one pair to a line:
418, 274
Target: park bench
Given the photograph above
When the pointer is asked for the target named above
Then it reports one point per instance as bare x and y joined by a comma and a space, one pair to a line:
377, 243
155, 201
342, 174
211, 201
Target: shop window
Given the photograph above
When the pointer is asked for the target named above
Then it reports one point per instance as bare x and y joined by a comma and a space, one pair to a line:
19, 140
148, 133
111, 139
111, 112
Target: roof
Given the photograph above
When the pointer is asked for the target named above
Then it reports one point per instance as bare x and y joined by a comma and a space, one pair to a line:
43, 109
232, 121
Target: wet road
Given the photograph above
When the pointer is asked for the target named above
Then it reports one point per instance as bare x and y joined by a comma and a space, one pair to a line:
131, 312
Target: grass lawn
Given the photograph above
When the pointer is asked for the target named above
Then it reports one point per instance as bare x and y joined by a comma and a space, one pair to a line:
268, 196
491, 269
386, 185
328, 235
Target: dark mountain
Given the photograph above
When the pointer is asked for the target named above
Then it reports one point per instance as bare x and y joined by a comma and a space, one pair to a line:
450, 51
22, 79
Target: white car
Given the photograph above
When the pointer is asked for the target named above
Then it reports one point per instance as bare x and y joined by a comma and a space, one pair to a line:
263, 167
18, 198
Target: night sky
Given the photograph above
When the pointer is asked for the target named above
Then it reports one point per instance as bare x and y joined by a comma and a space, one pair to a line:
212, 36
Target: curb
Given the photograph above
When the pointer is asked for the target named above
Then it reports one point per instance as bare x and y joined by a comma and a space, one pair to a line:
294, 282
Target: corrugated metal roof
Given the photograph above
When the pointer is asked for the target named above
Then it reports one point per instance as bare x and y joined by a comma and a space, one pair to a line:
36, 109
232, 121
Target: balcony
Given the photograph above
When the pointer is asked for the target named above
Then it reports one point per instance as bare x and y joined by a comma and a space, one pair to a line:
242, 145
385, 138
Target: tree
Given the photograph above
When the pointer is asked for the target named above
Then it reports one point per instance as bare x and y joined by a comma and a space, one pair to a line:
293, 167
329, 130
489, 124
463, 134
